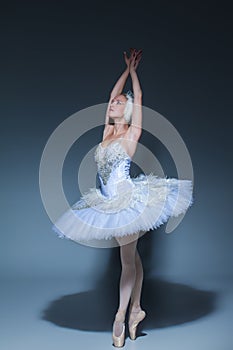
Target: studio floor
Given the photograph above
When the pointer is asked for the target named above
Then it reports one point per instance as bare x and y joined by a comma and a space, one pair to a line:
54, 313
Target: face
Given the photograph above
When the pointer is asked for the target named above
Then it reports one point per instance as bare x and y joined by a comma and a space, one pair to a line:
117, 106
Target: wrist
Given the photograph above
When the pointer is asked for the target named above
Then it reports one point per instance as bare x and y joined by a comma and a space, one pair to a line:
132, 71
127, 69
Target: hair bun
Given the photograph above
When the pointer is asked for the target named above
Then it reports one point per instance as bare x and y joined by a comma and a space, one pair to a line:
129, 93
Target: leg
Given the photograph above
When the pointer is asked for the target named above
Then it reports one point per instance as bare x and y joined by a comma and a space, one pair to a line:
136, 314
128, 274
136, 293
127, 280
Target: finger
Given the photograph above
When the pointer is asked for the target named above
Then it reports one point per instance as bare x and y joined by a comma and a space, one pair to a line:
138, 61
139, 57
139, 52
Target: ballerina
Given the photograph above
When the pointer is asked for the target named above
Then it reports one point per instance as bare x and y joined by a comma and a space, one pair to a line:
124, 208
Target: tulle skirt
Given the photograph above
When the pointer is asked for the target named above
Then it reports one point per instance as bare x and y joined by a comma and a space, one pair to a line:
142, 204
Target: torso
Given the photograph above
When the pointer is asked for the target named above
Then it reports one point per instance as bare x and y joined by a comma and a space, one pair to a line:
107, 142
128, 145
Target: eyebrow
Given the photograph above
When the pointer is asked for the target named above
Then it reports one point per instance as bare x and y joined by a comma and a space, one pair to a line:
114, 99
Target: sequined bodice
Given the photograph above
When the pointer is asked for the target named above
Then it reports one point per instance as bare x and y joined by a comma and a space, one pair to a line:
113, 164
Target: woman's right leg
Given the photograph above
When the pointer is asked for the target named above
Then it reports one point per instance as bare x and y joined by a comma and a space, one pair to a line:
135, 303
130, 287
128, 277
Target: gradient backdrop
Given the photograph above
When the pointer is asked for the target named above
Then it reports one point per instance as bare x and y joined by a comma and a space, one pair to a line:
60, 57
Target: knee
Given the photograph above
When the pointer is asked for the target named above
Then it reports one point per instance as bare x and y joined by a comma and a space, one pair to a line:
128, 263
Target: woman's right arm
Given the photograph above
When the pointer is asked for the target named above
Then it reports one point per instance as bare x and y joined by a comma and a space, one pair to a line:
117, 90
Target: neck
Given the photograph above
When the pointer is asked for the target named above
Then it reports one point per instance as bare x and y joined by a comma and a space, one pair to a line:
120, 128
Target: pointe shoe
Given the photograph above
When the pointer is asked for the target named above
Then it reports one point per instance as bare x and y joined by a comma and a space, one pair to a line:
137, 316
119, 341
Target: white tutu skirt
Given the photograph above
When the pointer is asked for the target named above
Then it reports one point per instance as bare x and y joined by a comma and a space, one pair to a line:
141, 204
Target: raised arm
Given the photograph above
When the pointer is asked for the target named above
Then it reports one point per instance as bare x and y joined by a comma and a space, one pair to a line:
117, 89
135, 128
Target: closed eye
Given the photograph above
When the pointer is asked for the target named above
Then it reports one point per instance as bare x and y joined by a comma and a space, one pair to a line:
118, 102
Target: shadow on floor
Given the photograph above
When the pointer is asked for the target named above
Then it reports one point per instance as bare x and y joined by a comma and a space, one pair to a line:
166, 304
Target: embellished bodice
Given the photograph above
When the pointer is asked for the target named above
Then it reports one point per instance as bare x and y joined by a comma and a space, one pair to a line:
113, 165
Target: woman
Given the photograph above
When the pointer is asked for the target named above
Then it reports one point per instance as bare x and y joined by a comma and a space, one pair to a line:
124, 207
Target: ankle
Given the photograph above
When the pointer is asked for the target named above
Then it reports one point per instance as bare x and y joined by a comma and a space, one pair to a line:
135, 307
120, 315
121, 311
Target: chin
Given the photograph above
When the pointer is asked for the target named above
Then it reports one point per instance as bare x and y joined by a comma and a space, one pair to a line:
113, 114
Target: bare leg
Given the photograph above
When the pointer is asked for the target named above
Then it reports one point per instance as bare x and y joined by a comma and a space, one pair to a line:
136, 314
136, 293
127, 280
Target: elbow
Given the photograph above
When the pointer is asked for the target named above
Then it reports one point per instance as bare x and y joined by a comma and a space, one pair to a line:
138, 94
137, 132
138, 98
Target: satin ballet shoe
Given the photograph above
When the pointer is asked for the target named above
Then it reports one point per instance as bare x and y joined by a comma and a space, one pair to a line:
118, 341
137, 317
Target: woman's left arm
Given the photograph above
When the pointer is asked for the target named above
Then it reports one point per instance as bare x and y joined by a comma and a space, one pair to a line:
135, 128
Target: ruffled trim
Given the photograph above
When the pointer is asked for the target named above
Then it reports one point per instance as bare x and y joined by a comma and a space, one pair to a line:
150, 203
144, 189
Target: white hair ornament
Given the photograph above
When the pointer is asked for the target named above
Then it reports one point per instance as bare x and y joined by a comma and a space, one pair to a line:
129, 106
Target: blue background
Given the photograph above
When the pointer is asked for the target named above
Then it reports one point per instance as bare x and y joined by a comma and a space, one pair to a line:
60, 57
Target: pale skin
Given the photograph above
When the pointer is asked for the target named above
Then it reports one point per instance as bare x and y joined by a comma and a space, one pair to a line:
128, 135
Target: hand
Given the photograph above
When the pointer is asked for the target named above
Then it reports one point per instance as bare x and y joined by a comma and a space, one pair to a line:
134, 61
128, 59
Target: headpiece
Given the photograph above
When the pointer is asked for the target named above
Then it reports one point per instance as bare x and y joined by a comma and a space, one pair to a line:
129, 106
